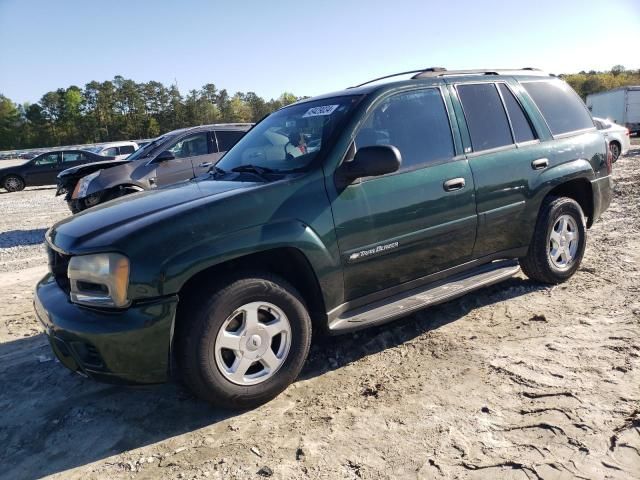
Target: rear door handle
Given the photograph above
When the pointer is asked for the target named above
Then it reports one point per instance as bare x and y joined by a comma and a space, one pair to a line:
454, 184
205, 164
540, 163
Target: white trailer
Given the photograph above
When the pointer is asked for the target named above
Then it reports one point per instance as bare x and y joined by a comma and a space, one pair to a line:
621, 105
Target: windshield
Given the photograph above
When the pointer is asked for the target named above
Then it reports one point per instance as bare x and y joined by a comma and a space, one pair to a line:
93, 149
290, 138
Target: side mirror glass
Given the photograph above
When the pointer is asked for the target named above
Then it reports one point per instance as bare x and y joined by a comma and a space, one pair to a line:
164, 156
371, 161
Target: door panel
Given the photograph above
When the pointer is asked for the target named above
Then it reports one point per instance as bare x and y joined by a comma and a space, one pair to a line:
43, 170
403, 226
187, 151
400, 227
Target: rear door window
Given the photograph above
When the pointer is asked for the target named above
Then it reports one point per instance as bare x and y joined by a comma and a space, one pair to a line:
127, 149
416, 123
485, 115
227, 139
560, 105
73, 157
522, 130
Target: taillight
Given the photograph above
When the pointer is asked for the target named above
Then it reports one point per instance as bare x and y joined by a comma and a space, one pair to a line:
627, 132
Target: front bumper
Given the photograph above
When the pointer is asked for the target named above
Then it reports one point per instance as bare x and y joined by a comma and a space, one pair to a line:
126, 346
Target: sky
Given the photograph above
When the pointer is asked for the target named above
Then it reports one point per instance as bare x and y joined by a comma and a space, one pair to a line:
303, 47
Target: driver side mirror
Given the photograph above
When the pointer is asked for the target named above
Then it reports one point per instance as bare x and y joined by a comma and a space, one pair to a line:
164, 156
371, 161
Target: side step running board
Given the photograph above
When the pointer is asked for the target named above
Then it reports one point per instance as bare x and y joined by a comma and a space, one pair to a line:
404, 303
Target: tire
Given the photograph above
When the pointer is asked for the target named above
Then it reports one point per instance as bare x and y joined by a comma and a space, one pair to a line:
13, 183
615, 151
543, 262
214, 316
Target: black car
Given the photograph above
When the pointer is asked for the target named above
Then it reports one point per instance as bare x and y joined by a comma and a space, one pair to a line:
43, 169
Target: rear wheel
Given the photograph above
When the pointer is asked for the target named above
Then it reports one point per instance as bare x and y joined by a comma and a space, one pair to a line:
242, 344
13, 183
558, 243
614, 147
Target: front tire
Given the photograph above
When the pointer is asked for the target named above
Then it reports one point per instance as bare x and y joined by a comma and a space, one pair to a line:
242, 344
558, 243
13, 183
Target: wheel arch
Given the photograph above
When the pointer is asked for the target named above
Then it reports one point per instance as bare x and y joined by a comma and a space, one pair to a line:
578, 189
289, 263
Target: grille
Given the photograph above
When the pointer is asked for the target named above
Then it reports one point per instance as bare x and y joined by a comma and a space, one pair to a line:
58, 264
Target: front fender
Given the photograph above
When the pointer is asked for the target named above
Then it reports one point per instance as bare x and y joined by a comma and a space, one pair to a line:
178, 269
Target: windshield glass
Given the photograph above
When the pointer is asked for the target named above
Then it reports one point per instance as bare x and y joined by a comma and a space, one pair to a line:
93, 149
291, 138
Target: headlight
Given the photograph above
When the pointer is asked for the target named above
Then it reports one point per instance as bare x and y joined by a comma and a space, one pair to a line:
99, 280
83, 185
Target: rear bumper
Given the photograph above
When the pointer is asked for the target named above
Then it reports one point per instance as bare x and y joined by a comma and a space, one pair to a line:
128, 346
602, 191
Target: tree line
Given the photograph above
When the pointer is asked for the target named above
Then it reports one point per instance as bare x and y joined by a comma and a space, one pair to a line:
122, 109
586, 83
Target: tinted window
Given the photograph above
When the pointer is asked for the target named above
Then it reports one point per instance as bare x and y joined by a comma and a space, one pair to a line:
416, 123
47, 159
485, 115
519, 122
191, 146
127, 149
227, 139
560, 105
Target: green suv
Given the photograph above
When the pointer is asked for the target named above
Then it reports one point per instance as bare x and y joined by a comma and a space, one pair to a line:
332, 214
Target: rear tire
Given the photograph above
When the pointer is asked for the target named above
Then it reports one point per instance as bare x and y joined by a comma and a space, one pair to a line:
241, 344
558, 242
615, 149
13, 183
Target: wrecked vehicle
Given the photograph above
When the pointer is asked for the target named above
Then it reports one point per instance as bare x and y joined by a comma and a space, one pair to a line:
174, 157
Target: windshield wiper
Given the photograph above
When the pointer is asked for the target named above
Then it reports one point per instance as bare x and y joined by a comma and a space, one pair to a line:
260, 171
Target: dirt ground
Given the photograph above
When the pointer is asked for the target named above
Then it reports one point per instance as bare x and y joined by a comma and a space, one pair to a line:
516, 381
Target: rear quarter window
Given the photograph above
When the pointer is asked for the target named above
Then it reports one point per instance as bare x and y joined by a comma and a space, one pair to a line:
561, 107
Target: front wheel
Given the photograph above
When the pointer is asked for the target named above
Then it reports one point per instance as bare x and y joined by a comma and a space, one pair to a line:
242, 344
558, 243
13, 183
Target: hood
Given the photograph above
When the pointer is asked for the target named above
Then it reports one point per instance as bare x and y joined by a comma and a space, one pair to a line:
105, 224
87, 168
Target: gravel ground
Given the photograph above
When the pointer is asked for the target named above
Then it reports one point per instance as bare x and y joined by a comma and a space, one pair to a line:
25, 217
516, 381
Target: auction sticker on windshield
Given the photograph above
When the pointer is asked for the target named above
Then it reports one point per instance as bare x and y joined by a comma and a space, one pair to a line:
320, 111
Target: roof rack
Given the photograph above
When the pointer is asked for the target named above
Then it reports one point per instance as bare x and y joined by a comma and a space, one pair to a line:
442, 72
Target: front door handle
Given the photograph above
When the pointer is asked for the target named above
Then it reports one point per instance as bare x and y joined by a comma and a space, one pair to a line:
205, 164
540, 163
454, 184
